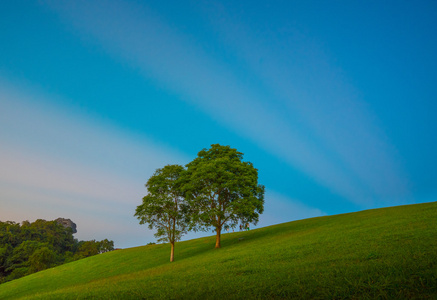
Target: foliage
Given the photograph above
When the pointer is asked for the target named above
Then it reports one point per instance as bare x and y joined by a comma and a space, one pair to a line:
32, 247
222, 189
93, 247
105, 246
87, 248
22, 253
165, 208
42, 259
376, 254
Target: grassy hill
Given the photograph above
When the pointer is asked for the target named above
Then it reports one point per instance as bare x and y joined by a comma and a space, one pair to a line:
381, 253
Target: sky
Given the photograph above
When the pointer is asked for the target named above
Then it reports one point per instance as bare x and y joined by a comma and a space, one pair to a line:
333, 102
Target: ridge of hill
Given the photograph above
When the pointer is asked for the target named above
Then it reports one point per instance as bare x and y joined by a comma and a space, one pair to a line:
379, 253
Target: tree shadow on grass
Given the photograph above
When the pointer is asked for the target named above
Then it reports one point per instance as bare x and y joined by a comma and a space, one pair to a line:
191, 248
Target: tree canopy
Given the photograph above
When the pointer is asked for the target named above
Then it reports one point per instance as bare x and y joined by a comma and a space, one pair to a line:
223, 190
164, 207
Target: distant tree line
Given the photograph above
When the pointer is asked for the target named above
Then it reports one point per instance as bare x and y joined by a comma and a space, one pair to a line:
28, 247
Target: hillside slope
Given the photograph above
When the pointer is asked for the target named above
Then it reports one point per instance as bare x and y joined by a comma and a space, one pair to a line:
388, 253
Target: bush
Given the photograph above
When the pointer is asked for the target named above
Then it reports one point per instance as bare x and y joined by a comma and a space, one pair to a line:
18, 273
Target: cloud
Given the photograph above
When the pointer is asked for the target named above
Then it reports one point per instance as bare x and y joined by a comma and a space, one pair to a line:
280, 209
95, 218
318, 125
56, 162
309, 86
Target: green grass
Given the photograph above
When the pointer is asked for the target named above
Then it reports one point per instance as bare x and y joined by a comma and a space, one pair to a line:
388, 253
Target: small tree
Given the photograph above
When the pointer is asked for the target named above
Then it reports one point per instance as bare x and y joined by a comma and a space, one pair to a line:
106, 246
165, 208
87, 248
222, 189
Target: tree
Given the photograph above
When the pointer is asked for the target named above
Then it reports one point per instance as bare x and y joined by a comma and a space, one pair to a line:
165, 208
106, 246
42, 259
87, 248
222, 189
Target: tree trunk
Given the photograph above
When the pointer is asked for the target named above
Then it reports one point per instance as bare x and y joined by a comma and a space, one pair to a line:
172, 252
217, 240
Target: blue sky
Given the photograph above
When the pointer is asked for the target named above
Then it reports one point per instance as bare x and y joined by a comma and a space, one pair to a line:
334, 103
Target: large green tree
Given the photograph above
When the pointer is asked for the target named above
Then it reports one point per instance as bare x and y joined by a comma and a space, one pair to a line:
165, 208
222, 189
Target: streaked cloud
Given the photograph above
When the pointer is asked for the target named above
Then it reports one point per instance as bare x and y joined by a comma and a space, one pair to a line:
334, 114
58, 163
76, 172
320, 127
280, 209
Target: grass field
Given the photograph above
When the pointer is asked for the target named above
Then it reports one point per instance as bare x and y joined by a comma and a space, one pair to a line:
382, 253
